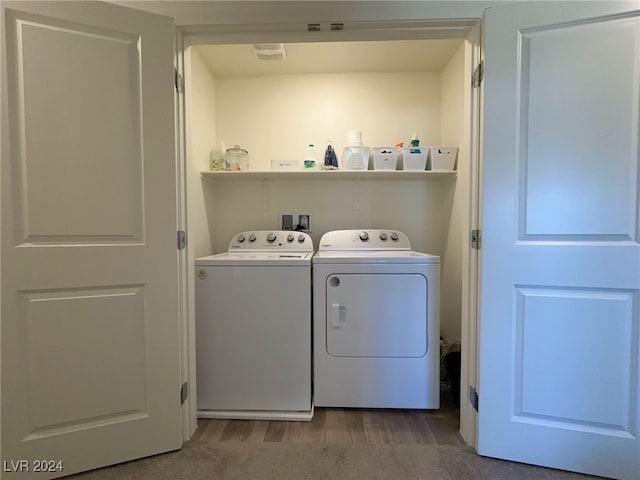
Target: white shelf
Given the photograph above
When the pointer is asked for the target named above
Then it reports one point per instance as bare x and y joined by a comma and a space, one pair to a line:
331, 175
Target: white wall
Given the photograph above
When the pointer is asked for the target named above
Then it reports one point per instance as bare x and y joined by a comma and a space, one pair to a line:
276, 117
201, 129
455, 112
214, 13
413, 207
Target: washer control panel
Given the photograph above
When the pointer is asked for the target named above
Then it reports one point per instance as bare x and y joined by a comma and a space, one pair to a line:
365, 239
266, 240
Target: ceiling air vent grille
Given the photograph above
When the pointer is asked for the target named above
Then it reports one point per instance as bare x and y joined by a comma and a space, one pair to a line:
269, 51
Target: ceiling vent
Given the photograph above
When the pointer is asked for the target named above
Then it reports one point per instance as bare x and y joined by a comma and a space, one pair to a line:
269, 51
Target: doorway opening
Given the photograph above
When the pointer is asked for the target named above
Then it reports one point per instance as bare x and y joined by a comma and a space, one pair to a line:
386, 87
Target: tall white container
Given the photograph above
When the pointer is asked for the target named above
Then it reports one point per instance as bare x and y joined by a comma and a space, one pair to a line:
355, 158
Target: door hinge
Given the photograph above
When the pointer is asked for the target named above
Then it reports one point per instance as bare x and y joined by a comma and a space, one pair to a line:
476, 239
182, 239
179, 81
184, 392
473, 397
478, 75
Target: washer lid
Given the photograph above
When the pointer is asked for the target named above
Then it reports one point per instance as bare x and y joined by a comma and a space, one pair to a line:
374, 256
264, 259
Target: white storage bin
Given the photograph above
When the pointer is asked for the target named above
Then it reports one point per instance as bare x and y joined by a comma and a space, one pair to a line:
383, 158
413, 158
355, 158
443, 159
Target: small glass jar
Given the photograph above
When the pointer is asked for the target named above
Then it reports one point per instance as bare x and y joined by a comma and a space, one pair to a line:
237, 158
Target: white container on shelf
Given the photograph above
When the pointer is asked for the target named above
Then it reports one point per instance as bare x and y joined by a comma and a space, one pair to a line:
285, 165
383, 158
355, 158
443, 159
413, 158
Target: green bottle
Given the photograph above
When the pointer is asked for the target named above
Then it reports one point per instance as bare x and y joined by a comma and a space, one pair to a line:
414, 143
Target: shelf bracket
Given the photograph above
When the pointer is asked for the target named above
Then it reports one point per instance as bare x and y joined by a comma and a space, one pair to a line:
265, 195
356, 195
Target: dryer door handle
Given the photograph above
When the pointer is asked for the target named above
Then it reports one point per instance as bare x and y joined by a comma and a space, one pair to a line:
338, 319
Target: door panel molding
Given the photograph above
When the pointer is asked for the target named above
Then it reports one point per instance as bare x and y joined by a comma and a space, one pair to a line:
571, 189
577, 328
80, 182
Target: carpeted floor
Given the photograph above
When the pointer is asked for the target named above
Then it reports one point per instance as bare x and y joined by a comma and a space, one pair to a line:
277, 461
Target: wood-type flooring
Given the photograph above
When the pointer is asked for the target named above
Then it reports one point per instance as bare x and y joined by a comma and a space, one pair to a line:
344, 426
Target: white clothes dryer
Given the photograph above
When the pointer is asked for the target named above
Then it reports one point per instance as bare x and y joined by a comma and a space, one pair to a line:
253, 328
376, 322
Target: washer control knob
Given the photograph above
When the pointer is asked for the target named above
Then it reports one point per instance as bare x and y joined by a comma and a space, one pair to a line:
364, 236
241, 238
289, 238
394, 236
271, 237
383, 237
300, 238
252, 238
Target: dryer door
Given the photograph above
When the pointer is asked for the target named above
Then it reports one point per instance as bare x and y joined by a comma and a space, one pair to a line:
376, 315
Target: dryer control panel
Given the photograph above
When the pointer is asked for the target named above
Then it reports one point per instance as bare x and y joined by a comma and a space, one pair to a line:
366, 239
269, 240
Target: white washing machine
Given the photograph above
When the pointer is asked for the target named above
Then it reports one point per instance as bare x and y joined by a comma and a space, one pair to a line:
253, 328
376, 322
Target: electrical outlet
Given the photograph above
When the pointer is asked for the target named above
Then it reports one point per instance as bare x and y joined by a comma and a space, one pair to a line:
286, 221
295, 221
304, 221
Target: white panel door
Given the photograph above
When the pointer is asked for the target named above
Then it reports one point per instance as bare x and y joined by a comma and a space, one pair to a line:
559, 331
90, 339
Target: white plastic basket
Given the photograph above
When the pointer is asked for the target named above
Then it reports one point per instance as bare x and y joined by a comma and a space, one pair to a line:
413, 158
383, 158
443, 159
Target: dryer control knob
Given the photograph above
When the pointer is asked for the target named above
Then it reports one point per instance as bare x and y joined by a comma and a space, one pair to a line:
252, 238
383, 237
289, 238
394, 236
364, 236
271, 237
300, 238
241, 238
